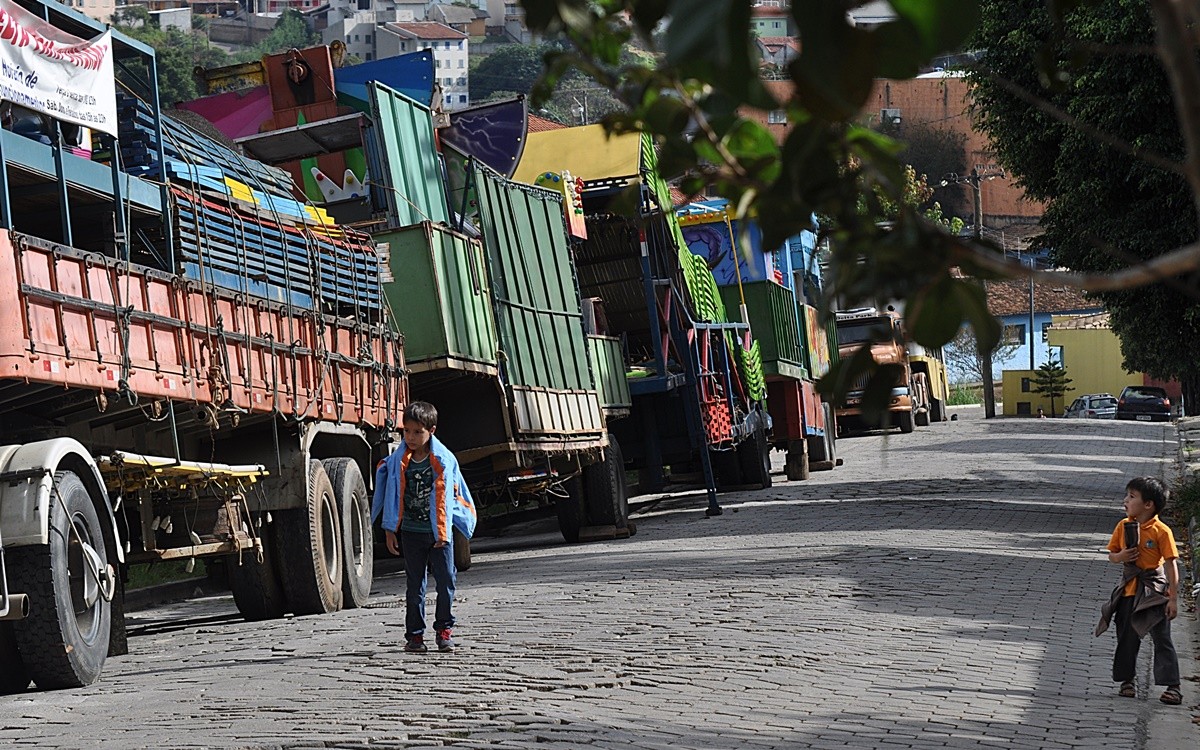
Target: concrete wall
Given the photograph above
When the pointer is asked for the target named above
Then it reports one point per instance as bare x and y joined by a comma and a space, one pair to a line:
1021, 401
1092, 358
941, 100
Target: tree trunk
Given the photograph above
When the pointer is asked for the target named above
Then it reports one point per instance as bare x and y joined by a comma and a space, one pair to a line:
1191, 394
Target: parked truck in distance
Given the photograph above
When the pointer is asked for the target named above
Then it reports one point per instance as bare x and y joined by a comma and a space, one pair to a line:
920, 391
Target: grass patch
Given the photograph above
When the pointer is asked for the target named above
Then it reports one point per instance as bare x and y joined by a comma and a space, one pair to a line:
964, 395
152, 574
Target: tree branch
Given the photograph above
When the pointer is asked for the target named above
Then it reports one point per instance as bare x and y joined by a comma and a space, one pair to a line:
1163, 268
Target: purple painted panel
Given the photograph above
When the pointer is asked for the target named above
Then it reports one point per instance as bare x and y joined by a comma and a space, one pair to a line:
234, 113
493, 133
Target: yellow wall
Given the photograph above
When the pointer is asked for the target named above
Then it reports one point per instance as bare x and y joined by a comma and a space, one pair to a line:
1013, 395
1092, 358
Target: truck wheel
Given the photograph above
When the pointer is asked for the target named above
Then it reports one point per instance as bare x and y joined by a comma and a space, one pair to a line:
797, 468
358, 549
605, 490
726, 471
754, 458
255, 586
13, 676
64, 640
922, 419
310, 548
462, 551
938, 411
570, 510
905, 420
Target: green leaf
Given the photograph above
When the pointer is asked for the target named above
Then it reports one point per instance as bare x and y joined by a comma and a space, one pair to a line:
935, 315
940, 25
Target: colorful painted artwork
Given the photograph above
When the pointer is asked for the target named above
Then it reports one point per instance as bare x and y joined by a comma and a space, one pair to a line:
493, 133
411, 75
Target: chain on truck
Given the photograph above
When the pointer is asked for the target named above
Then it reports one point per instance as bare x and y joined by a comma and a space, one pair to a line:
192, 365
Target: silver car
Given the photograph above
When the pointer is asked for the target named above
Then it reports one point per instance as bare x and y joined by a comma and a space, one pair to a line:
1093, 406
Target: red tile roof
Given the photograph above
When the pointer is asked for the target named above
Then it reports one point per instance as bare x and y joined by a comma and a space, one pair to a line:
428, 30
541, 124
780, 41
1012, 297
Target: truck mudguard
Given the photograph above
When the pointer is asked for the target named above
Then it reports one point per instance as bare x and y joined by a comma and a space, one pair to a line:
26, 475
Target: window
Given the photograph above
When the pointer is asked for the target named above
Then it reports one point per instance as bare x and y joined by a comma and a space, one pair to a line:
437, 63
1015, 334
460, 62
462, 98
1045, 331
403, 46
1026, 385
460, 44
370, 57
368, 38
776, 117
447, 45
1024, 408
462, 81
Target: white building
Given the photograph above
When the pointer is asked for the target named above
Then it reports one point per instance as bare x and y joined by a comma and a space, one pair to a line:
101, 10
450, 49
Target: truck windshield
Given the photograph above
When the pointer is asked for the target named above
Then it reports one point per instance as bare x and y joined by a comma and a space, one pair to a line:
859, 331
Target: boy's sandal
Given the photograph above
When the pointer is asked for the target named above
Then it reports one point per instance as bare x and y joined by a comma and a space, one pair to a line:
1171, 696
1127, 690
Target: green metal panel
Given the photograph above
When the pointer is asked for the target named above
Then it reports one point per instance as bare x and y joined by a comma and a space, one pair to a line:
412, 175
440, 296
538, 314
608, 367
776, 323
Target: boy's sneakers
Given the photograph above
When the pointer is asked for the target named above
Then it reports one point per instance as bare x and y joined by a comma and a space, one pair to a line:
415, 645
444, 641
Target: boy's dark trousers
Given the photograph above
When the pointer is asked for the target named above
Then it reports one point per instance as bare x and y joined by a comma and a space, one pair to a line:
419, 553
1166, 662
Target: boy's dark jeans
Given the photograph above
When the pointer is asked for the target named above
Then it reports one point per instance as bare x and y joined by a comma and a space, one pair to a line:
1166, 662
420, 553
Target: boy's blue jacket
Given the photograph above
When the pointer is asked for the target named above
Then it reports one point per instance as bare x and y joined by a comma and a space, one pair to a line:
449, 501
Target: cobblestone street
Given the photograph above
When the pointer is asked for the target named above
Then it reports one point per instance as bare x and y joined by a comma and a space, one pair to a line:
938, 590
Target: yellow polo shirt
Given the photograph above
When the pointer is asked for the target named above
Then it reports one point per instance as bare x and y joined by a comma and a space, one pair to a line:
1156, 543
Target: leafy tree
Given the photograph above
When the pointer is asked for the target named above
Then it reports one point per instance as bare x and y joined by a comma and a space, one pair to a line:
689, 97
1051, 381
514, 67
966, 362
177, 53
935, 152
1108, 205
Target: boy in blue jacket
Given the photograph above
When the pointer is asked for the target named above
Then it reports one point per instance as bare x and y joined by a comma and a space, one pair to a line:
421, 493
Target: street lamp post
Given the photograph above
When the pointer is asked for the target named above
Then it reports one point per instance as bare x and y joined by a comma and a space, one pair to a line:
974, 179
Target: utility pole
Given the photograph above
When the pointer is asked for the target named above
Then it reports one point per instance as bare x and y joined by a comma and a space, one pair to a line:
1032, 365
989, 385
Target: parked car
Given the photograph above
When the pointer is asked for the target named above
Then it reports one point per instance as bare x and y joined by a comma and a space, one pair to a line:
1093, 406
1144, 403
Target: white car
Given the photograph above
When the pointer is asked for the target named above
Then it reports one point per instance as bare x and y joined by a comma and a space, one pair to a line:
1093, 406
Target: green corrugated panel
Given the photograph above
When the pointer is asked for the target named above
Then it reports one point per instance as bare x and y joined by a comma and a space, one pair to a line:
439, 294
775, 321
702, 287
413, 177
537, 303
608, 366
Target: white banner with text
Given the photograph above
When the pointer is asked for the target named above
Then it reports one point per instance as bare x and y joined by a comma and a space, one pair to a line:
49, 71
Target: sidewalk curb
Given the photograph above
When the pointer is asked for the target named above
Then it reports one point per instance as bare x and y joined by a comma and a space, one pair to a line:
166, 593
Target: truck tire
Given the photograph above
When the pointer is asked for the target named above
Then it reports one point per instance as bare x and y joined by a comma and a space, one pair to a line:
605, 490
256, 589
462, 551
358, 548
727, 472
569, 508
64, 640
754, 458
797, 468
905, 421
310, 548
13, 676
938, 410
922, 418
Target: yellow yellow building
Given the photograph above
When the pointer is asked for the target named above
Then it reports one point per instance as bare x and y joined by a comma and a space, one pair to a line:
1091, 354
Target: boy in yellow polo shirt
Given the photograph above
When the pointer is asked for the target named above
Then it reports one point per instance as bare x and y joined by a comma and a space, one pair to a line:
1146, 599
